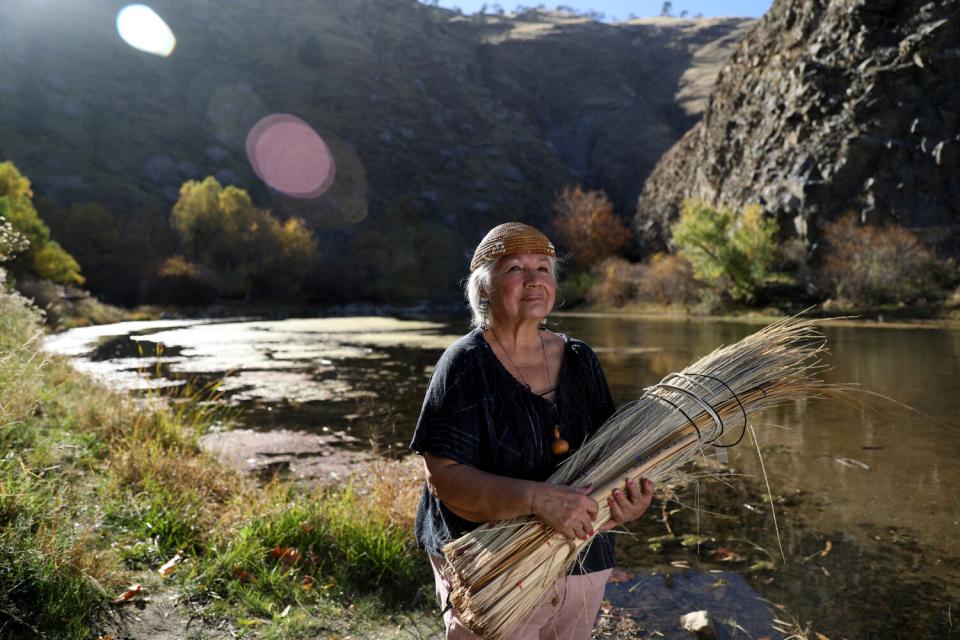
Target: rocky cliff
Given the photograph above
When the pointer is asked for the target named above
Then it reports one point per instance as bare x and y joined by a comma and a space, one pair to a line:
828, 106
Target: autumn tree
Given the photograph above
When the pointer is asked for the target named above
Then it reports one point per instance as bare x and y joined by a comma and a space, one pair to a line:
44, 257
236, 248
868, 265
727, 250
587, 226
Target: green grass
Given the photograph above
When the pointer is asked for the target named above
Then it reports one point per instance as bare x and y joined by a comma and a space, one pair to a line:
97, 491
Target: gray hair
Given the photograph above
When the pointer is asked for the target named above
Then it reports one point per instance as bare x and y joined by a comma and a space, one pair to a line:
479, 281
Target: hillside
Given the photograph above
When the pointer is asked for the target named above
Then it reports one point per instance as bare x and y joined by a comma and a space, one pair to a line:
466, 119
828, 107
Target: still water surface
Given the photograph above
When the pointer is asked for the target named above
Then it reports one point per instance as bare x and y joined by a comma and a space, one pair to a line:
876, 482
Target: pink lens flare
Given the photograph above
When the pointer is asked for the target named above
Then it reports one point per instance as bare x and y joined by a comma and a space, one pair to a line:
287, 154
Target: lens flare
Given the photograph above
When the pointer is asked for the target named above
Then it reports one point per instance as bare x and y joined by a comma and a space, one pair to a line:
290, 156
141, 28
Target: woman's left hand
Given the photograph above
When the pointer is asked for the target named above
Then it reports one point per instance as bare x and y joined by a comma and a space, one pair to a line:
628, 506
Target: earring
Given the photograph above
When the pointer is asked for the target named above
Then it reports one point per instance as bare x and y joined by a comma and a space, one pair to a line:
543, 324
484, 306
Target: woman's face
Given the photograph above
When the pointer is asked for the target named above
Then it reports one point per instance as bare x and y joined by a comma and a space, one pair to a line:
522, 288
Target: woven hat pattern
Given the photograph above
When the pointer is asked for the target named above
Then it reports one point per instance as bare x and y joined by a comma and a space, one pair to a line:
511, 238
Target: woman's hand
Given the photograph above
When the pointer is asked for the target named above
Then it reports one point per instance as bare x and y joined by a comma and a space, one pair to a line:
569, 511
628, 506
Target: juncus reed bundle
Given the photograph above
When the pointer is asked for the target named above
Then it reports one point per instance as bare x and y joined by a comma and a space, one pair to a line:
501, 571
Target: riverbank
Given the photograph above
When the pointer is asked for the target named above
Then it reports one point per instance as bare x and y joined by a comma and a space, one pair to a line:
100, 491
831, 316
689, 566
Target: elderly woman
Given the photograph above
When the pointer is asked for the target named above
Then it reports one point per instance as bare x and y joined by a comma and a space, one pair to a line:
507, 403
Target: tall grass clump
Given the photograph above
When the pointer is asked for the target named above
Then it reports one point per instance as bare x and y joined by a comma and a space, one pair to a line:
327, 544
51, 571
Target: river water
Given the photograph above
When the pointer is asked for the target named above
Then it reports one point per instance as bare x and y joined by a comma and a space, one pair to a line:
866, 492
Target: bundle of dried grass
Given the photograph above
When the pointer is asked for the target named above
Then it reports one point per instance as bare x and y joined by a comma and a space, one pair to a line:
501, 570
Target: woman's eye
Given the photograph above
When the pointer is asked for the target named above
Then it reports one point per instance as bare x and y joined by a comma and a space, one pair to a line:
515, 267
544, 269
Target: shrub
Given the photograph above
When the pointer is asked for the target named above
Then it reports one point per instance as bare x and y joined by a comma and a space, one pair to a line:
727, 250
44, 258
587, 226
11, 242
663, 279
240, 250
615, 284
870, 265
667, 279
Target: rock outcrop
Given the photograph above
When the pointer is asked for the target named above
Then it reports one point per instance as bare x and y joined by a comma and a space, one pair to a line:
828, 106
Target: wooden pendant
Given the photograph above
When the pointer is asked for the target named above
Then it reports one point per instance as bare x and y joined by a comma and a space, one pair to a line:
559, 446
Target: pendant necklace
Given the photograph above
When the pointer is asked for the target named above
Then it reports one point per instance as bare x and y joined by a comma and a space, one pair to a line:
559, 446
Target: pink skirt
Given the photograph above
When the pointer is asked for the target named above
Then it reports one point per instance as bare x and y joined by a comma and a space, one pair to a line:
567, 612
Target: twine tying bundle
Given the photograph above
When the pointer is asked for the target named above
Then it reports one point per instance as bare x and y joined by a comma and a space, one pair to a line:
501, 570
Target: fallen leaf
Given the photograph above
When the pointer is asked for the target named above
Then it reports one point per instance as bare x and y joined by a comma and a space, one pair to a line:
825, 572
727, 555
287, 555
307, 527
284, 613
170, 565
130, 593
680, 564
820, 636
827, 548
243, 575
307, 582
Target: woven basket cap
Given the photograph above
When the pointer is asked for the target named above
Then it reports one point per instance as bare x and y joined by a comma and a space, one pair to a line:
511, 238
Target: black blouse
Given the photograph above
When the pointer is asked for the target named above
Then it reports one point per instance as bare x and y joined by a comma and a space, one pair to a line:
477, 413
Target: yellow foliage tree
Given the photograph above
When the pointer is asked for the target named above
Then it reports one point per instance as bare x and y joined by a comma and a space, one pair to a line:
726, 249
44, 257
235, 247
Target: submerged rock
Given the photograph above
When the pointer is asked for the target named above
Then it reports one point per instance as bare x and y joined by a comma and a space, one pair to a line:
700, 624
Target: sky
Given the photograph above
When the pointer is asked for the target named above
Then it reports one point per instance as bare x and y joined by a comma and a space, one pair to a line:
622, 8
